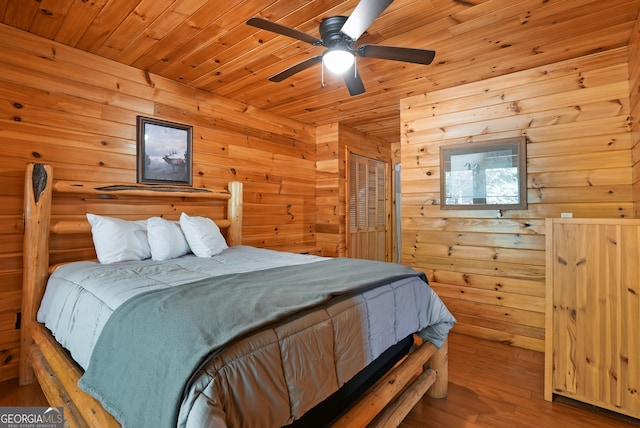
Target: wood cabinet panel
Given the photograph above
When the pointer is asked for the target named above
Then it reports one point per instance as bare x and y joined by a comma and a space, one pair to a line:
593, 312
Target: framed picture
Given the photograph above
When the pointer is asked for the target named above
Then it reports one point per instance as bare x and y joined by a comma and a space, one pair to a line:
164, 151
482, 176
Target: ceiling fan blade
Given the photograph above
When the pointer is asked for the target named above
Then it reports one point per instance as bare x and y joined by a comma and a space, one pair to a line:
362, 16
395, 53
353, 81
296, 69
265, 24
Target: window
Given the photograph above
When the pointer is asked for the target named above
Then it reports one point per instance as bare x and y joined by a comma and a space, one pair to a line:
488, 175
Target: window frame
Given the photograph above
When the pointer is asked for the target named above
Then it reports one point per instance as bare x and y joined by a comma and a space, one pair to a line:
484, 150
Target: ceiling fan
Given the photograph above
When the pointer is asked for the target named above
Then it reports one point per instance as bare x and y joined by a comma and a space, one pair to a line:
338, 34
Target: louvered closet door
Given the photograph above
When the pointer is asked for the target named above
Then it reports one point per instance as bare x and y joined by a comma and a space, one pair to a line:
367, 208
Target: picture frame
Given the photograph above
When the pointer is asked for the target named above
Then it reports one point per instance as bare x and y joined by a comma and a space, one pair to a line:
164, 151
486, 175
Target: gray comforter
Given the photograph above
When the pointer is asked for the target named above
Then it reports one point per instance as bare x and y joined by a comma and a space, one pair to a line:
154, 343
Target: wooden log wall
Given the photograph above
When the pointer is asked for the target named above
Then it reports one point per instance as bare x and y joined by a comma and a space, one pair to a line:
487, 265
634, 90
77, 112
333, 144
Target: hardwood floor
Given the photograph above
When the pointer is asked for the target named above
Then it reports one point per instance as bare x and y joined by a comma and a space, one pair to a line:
11, 394
490, 385
495, 385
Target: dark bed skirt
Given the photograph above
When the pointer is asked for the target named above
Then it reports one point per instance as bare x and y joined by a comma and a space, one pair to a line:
330, 409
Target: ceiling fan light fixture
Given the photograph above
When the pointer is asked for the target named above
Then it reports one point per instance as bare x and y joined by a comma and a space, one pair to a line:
338, 60
338, 35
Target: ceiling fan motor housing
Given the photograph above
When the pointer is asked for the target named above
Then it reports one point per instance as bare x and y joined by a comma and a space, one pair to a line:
331, 34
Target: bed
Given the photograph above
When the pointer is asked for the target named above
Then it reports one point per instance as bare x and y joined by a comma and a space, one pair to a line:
269, 369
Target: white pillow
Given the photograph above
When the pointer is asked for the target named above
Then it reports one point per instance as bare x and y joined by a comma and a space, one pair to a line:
203, 235
117, 240
166, 239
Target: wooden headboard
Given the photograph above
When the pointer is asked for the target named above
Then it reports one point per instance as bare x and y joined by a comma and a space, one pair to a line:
54, 235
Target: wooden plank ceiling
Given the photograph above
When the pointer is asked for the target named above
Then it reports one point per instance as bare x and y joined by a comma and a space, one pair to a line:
206, 44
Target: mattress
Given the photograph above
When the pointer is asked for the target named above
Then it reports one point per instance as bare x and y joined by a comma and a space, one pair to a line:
270, 378
80, 296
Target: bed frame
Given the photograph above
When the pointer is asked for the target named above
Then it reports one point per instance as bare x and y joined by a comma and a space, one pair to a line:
424, 370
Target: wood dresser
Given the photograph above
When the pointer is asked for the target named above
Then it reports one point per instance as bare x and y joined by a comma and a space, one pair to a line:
592, 345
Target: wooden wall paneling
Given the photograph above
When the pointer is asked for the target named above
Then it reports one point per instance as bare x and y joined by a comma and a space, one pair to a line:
227, 54
208, 45
107, 20
552, 43
11, 233
457, 252
586, 144
72, 208
179, 45
424, 205
7, 325
509, 300
433, 264
333, 143
77, 112
510, 332
327, 193
581, 161
49, 17
586, 210
595, 177
513, 86
433, 221
475, 256
488, 312
134, 36
461, 238
634, 95
498, 102
595, 194
77, 20
20, 17
489, 65
10, 348
144, 88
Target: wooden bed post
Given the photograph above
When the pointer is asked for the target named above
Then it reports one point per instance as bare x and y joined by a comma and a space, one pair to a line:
439, 362
392, 397
37, 207
234, 214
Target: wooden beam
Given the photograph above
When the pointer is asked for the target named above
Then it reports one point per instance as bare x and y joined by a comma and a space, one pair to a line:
439, 362
391, 386
234, 214
58, 378
37, 208
68, 227
395, 413
138, 190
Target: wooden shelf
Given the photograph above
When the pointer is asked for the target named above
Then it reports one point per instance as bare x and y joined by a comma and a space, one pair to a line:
299, 249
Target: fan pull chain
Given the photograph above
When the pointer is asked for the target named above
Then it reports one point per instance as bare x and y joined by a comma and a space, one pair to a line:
322, 76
